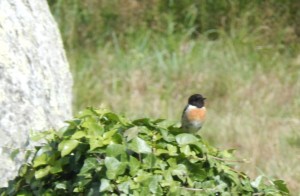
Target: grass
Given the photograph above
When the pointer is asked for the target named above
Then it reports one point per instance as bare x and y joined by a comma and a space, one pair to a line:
253, 97
249, 73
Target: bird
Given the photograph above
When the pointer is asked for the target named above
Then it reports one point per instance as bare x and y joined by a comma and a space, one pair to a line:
193, 115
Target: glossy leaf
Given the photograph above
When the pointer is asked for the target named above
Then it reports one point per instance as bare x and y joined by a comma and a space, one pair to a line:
139, 145
281, 185
186, 138
105, 185
114, 167
42, 172
89, 165
101, 153
67, 146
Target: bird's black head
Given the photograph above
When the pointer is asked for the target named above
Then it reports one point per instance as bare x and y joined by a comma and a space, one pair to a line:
196, 100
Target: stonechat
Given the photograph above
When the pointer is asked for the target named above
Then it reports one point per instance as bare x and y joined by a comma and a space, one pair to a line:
193, 114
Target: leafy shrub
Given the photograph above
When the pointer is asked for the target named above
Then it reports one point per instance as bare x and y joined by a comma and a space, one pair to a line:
101, 153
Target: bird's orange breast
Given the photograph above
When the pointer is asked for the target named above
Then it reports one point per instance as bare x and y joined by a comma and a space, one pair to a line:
196, 114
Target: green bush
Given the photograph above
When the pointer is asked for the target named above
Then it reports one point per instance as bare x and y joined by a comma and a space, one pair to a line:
101, 153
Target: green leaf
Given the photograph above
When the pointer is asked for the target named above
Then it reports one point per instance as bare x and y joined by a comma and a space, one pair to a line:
113, 150
154, 186
109, 134
14, 153
56, 168
172, 150
89, 165
139, 145
111, 156
142, 122
28, 154
124, 187
134, 165
186, 138
281, 185
158, 120
93, 128
149, 161
257, 182
96, 142
105, 185
61, 185
23, 170
131, 133
78, 135
112, 116
42, 172
66, 146
38, 135
42, 157
186, 150
114, 167
142, 176
180, 171
158, 152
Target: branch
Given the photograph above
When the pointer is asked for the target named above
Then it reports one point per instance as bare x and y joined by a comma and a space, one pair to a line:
227, 160
191, 189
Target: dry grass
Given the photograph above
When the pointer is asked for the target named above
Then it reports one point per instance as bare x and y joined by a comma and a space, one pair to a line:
145, 64
252, 107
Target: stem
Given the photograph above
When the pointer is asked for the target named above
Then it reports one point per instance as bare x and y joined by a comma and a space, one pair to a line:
227, 160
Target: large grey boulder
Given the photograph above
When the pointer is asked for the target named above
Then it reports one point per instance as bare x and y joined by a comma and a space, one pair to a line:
35, 81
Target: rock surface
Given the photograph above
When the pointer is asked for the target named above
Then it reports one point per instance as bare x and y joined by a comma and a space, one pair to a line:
35, 81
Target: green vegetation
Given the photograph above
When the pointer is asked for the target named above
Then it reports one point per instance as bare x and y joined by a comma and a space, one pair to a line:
144, 58
103, 153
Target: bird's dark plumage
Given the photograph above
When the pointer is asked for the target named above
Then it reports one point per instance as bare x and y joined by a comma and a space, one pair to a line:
194, 114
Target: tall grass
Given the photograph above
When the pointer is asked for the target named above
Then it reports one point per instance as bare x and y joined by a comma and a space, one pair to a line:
144, 58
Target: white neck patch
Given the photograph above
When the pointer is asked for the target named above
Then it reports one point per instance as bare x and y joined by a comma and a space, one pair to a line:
191, 107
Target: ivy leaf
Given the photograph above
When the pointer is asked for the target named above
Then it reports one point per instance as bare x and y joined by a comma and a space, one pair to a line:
256, 183
149, 161
96, 142
109, 134
112, 117
61, 185
186, 138
90, 164
56, 168
134, 165
78, 135
142, 122
116, 156
281, 185
14, 153
42, 172
42, 157
105, 185
139, 145
142, 176
23, 170
154, 186
66, 146
124, 187
180, 171
114, 167
114, 150
172, 150
131, 133
92, 126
